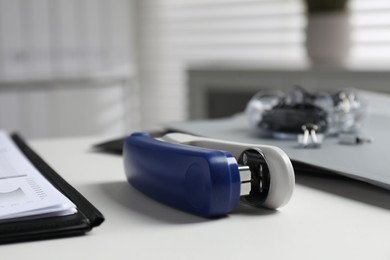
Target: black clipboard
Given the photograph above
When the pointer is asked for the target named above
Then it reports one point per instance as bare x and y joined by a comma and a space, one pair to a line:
84, 220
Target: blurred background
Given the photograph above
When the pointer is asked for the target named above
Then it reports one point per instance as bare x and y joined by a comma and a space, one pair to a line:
87, 67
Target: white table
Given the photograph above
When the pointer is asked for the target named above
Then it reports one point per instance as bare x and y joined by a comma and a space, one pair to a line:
327, 218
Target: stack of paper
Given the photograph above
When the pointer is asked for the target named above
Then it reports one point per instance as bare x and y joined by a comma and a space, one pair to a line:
24, 192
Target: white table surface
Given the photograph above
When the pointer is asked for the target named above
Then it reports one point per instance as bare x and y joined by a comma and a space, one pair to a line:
327, 218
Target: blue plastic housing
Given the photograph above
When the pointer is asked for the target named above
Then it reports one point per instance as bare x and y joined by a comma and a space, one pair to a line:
201, 181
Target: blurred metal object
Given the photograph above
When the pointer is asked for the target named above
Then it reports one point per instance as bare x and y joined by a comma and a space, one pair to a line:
310, 138
353, 138
282, 115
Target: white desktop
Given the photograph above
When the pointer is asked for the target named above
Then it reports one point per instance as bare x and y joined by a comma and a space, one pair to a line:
327, 218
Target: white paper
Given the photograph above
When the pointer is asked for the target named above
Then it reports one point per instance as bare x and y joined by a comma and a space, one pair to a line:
23, 190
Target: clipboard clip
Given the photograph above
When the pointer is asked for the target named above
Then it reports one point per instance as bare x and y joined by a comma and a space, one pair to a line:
207, 177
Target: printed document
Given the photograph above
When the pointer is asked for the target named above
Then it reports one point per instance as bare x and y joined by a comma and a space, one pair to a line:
24, 192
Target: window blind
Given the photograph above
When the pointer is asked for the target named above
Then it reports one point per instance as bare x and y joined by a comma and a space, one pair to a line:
175, 33
62, 39
370, 22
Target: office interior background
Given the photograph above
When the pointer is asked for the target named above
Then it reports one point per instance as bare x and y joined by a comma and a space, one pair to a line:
88, 67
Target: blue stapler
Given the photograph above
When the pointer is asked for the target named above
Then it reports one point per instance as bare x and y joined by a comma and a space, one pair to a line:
207, 177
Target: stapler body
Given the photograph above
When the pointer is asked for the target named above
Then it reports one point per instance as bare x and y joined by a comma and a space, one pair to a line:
205, 176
